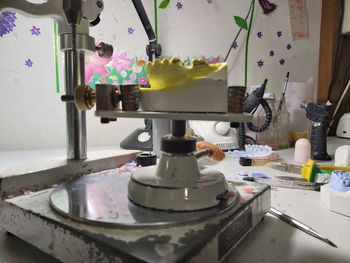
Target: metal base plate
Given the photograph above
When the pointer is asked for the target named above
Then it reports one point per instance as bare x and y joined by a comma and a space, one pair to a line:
101, 199
30, 218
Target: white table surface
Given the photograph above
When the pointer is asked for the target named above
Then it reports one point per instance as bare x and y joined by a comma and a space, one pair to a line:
271, 241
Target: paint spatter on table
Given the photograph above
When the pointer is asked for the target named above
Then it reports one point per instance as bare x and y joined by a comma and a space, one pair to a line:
273, 240
248, 190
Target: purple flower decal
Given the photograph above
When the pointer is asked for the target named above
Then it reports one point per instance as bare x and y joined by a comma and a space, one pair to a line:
179, 5
29, 63
131, 31
282, 61
35, 31
279, 33
234, 45
271, 53
210, 1
260, 63
259, 34
289, 46
7, 22
267, 6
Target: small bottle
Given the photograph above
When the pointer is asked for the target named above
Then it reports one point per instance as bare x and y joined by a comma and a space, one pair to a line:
270, 135
283, 126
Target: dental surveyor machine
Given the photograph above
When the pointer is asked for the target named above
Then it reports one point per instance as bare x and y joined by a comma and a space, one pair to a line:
174, 211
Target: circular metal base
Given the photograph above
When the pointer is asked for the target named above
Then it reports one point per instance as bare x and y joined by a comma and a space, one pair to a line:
147, 188
101, 199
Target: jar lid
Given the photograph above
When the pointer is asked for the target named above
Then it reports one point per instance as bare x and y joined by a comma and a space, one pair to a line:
269, 96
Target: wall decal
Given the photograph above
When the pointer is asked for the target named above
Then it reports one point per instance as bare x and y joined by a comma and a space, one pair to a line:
267, 6
29, 63
235, 45
131, 31
164, 4
120, 69
7, 22
179, 5
35, 31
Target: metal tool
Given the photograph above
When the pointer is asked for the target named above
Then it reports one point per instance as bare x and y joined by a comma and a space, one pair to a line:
171, 212
143, 138
320, 115
310, 171
293, 222
285, 167
283, 92
250, 105
74, 18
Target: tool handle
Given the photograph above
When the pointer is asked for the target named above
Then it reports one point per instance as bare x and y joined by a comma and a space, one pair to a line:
319, 142
333, 168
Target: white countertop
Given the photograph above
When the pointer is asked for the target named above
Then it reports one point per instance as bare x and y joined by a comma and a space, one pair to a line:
271, 241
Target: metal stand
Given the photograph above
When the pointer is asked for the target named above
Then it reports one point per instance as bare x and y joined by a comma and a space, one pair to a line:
76, 120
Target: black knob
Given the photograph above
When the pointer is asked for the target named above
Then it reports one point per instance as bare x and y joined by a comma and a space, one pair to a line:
67, 98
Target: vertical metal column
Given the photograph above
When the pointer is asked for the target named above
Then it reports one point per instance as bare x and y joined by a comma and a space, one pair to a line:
159, 128
76, 120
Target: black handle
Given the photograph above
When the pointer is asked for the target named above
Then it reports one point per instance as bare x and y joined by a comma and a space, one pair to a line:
319, 142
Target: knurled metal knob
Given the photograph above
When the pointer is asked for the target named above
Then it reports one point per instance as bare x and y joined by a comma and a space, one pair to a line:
84, 97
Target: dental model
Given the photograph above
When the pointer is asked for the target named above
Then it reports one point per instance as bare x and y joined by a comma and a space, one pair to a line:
173, 84
172, 75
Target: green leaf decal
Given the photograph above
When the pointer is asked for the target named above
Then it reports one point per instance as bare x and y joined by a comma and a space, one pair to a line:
240, 22
164, 4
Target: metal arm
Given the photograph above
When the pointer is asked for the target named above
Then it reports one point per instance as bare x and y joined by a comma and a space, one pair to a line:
55, 9
153, 49
73, 17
